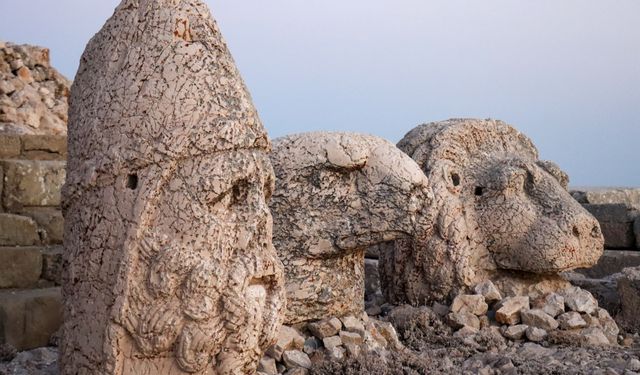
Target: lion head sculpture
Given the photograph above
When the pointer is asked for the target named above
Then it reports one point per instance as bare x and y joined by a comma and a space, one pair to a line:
498, 211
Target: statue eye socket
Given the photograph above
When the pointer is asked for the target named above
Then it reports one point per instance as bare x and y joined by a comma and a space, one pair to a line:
479, 190
239, 192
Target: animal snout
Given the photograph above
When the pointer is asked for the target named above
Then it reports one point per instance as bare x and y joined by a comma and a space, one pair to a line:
586, 227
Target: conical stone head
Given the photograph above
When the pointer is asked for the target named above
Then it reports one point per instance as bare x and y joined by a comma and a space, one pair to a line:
170, 267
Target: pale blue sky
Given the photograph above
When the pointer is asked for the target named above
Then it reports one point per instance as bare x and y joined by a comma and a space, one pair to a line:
564, 72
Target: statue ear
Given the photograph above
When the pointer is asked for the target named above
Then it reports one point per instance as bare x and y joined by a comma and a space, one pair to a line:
346, 155
554, 170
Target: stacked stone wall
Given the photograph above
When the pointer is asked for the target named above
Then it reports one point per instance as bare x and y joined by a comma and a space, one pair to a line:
32, 172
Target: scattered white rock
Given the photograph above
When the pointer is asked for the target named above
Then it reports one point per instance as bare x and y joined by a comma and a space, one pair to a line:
472, 303
579, 300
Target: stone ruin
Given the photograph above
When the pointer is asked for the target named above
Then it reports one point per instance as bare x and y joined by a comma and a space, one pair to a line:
33, 95
169, 264
499, 213
33, 150
336, 195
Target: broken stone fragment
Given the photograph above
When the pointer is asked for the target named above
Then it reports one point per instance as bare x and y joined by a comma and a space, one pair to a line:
331, 342
465, 331
594, 336
579, 300
536, 334
351, 338
296, 358
352, 324
267, 365
288, 338
509, 309
515, 332
552, 304
325, 328
462, 319
474, 304
488, 290
571, 320
539, 319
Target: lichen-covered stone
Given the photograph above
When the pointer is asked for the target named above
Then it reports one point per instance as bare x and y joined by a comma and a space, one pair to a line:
169, 264
497, 208
336, 195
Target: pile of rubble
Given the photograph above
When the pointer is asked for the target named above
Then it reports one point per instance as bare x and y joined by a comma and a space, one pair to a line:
33, 95
573, 311
307, 345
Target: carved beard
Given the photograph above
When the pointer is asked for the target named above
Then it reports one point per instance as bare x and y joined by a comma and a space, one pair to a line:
190, 300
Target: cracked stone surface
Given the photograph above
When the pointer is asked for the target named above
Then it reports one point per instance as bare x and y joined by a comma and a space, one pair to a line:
497, 210
336, 195
169, 263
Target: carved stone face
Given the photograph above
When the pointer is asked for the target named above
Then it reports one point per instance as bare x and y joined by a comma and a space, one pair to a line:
529, 220
207, 273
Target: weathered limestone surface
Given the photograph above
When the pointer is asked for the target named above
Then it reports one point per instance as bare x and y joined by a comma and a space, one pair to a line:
16, 230
32, 183
169, 265
33, 95
336, 195
497, 209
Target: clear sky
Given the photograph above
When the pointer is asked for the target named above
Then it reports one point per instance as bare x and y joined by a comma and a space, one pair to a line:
566, 73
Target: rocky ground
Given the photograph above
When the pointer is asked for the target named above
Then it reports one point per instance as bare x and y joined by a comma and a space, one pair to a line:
558, 333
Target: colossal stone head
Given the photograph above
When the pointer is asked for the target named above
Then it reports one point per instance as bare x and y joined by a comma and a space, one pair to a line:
498, 211
336, 195
170, 267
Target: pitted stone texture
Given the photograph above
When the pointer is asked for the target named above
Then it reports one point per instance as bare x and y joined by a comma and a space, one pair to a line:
169, 265
336, 195
33, 95
497, 209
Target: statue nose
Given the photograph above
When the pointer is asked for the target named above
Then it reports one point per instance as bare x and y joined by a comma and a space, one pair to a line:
587, 226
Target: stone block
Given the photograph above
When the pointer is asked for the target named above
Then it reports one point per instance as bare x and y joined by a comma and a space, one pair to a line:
50, 221
9, 146
613, 261
629, 293
44, 147
28, 318
20, 267
607, 195
32, 183
636, 231
16, 230
616, 222
52, 264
